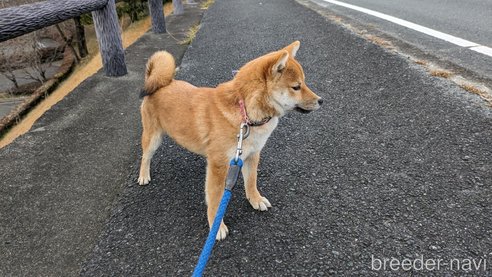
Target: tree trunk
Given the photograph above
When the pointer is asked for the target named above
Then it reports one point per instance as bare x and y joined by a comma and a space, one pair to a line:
133, 13
178, 7
80, 37
157, 15
109, 39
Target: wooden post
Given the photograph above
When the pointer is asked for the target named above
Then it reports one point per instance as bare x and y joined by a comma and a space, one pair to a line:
157, 15
109, 38
178, 7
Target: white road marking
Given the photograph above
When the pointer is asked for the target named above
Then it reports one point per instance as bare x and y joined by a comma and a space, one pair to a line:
419, 28
482, 49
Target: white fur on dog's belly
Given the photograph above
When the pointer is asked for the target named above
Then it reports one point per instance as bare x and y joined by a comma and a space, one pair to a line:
257, 138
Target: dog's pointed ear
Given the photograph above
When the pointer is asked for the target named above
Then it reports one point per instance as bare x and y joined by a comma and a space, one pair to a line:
280, 62
292, 48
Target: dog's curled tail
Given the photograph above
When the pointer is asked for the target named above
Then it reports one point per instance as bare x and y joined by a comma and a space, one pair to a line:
159, 72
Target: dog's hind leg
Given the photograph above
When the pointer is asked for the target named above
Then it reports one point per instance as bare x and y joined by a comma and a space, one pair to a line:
249, 170
214, 189
151, 139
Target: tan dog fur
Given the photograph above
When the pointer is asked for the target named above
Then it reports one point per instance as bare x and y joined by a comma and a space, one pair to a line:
206, 120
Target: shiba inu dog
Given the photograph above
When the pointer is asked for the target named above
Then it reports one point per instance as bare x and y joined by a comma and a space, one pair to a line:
206, 120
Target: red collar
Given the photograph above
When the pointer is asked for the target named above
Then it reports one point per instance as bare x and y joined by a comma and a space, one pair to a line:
244, 115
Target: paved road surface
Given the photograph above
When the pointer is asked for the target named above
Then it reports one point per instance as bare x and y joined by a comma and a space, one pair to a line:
470, 20
59, 182
396, 164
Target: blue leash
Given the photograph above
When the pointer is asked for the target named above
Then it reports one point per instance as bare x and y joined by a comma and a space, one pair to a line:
232, 176
231, 180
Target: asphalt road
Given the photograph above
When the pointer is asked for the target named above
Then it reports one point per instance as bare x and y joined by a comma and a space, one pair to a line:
470, 20
395, 164
59, 182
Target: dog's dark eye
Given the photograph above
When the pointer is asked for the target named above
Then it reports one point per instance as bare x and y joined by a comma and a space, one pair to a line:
298, 87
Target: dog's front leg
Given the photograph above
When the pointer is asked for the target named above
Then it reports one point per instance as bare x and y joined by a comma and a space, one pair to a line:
249, 170
214, 189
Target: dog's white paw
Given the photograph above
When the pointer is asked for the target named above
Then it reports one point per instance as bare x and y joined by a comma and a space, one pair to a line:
222, 233
260, 203
143, 180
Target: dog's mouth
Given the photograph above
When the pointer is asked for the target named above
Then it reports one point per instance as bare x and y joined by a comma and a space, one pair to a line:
301, 110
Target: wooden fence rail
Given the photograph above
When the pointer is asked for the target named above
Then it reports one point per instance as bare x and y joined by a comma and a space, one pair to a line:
23, 19
19, 20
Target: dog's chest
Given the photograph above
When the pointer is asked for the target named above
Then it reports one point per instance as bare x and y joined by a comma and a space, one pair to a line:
258, 137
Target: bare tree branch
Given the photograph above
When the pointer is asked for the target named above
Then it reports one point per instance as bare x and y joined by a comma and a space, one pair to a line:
6, 68
68, 42
38, 63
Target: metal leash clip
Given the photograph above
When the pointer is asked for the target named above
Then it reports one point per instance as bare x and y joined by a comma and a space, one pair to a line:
243, 134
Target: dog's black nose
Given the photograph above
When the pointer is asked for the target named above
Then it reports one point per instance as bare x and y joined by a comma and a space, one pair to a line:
320, 101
